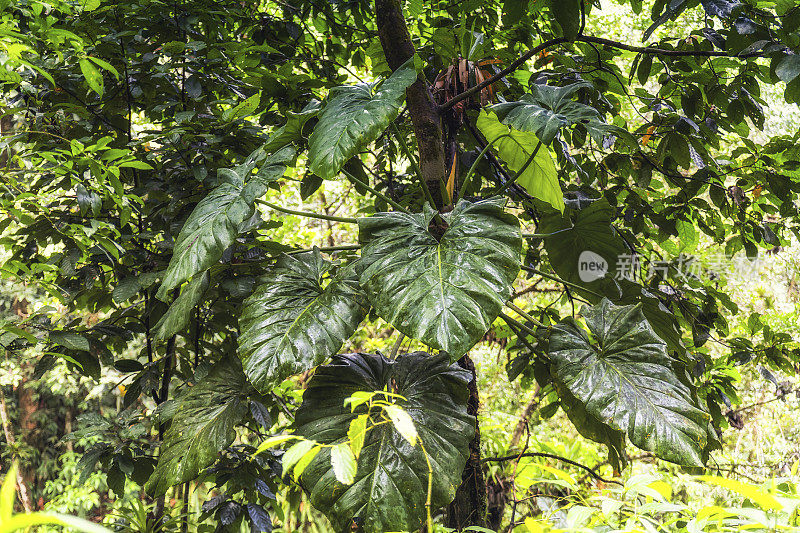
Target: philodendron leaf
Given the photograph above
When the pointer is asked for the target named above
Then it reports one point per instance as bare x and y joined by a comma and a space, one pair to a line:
177, 316
353, 117
586, 250
521, 151
214, 224
291, 323
444, 291
546, 110
390, 483
623, 376
202, 426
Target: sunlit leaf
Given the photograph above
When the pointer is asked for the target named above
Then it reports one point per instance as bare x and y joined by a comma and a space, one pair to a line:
521, 150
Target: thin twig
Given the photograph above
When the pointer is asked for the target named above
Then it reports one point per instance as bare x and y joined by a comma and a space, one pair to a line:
550, 456
307, 214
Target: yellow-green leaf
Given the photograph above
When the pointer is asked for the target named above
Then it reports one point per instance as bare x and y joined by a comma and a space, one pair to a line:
757, 495
516, 148
343, 462
304, 461
273, 441
93, 76
402, 423
357, 432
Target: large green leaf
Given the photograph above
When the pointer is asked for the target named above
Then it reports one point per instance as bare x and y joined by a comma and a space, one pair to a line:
546, 110
202, 426
578, 234
445, 292
539, 176
391, 479
353, 117
291, 323
584, 236
214, 224
623, 376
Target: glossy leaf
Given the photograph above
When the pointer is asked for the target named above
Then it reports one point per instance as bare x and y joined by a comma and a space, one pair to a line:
203, 425
391, 479
623, 376
291, 323
444, 292
584, 236
575, 236
214, 224
515, 148
546, 110
353, 117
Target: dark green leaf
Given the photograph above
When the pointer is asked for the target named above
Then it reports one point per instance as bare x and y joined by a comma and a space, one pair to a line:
623, 376
70, 340
391, 479
177, 316
581, 237
214, 223
291, 324
201, 427
788, 68
568, 15
546, 110
513, 11
353, 117
445, 292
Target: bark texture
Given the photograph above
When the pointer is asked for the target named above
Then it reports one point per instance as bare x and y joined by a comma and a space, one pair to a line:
398, 48
469, 506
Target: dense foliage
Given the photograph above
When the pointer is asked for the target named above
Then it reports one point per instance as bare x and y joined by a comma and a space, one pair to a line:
483, 146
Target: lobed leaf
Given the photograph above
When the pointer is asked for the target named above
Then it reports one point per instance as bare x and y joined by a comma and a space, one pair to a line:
390, 483
291, 323
622, 375
444, 292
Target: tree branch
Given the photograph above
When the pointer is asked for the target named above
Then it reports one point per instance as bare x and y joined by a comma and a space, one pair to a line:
591, 472
648, 50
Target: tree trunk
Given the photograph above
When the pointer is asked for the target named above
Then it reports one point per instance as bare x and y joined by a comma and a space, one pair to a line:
398, 48
22, 488
469, 506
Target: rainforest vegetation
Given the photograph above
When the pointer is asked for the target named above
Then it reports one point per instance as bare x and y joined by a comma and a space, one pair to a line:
399, 265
